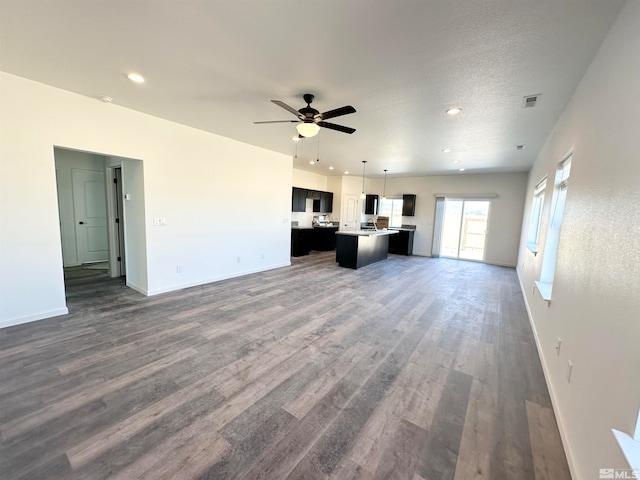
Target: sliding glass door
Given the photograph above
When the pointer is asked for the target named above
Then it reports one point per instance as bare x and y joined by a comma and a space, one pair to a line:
464, 229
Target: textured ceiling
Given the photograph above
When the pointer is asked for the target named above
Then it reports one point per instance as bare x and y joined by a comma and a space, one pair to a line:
215, 65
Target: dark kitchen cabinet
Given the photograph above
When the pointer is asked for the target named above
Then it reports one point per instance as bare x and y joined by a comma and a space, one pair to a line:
298, 199
402, 243
322, 201
324, 204
302, 240
314, 194
324, 238
371, 205
408, 205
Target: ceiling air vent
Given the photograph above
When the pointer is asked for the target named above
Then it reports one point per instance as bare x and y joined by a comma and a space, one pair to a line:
530, 100
519, 147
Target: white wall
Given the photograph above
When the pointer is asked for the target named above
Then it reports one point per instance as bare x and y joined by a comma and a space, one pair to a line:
309, 180
334, 185
505, 218
596, 290
208, 187
66, 161
135, 239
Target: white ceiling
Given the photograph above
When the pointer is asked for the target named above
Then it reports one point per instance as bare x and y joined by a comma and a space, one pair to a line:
216, 64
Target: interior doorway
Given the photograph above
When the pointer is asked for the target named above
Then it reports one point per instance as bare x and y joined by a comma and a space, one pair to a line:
101, 213
82, 212
464, 229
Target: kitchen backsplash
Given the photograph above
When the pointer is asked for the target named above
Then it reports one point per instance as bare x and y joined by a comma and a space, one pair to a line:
305, 219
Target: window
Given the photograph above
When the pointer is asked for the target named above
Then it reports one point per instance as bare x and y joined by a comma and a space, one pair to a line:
536, 215
552, 242
392, 208
630, 445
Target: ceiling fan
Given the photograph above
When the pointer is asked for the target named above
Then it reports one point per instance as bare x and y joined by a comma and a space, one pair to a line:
310, 120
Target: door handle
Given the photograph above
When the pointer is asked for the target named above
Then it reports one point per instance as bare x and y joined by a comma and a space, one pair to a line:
81, 223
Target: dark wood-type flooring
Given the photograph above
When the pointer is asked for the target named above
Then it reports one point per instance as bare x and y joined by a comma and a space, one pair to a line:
410, 368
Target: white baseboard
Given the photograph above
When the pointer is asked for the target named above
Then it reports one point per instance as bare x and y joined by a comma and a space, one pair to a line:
32, 318
554, 403
204, 281
138, 289
499, 264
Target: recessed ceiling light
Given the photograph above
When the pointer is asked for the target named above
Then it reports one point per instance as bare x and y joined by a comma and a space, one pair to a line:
461, 169
311, 162
446, 150
453, 110
346, 173
330, 168
135, 77
105, 99
455, 161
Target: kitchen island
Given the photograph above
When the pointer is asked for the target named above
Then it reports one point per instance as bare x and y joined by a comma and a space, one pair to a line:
359, 248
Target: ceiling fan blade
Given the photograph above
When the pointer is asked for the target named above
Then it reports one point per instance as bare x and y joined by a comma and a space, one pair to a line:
287, 107
338, 112
339, 128
279, 121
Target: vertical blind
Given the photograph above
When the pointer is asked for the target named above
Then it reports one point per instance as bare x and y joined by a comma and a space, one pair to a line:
437, 227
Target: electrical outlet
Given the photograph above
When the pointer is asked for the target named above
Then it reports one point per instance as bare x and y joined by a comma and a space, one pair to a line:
262, 256
238, 259
569, 370
558, 345
178, 268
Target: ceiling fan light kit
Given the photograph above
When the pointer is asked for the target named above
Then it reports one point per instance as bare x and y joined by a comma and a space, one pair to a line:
308, 129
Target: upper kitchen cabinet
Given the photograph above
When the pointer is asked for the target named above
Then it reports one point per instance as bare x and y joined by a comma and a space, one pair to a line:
371, 205
322, 201
408, 205
314, 194
324, 204
298, 199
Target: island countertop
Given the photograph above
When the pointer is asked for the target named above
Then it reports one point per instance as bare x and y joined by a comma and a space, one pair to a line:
366, 233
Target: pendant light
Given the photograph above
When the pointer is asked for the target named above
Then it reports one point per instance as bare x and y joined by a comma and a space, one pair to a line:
384, 191
362, 195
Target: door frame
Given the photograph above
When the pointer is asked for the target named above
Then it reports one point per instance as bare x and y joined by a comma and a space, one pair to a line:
115, 220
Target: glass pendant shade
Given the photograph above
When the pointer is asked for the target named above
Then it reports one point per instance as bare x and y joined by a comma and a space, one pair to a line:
309, 129
384, 191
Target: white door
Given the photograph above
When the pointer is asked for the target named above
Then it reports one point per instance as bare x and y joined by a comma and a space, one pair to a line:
350, 216
90, 216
